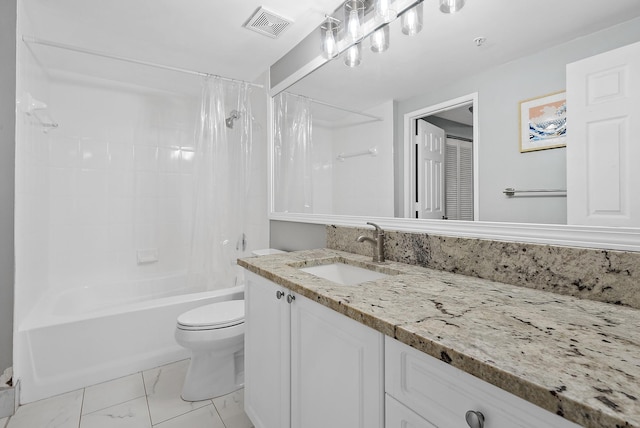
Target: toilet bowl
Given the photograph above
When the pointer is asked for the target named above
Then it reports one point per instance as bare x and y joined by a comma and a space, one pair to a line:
215, 336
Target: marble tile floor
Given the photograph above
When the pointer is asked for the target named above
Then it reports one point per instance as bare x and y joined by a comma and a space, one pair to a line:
142, 400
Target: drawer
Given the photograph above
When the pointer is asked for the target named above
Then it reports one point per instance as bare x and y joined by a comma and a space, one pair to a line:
442, 394
398, 415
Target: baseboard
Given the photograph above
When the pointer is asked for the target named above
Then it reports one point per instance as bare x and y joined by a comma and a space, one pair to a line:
8, 401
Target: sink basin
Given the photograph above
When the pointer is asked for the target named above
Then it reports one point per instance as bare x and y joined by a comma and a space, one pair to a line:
344, 274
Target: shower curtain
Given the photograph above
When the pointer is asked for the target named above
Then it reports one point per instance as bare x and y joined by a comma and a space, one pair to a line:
293, 154
221, 184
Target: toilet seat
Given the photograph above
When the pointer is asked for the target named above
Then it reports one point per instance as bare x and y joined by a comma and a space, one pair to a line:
213, 316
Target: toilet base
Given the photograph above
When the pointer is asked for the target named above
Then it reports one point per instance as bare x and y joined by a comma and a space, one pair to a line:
211, 375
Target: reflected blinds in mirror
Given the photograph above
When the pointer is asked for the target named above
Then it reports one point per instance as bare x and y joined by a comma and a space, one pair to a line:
459, 180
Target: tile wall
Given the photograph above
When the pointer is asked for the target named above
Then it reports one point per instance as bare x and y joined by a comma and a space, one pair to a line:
119, 171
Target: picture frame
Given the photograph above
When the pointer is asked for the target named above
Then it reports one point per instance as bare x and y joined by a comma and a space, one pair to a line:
543, 122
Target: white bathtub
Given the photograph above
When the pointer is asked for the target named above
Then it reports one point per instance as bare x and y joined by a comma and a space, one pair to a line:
92, 334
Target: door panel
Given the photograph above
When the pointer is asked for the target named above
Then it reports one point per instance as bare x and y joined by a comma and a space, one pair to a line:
430, 143
336, 370
603, 112
267, 354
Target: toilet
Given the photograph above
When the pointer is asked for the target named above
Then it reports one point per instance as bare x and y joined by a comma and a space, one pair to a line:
214, 334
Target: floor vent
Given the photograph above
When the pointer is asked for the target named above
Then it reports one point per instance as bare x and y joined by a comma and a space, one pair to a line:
268, 23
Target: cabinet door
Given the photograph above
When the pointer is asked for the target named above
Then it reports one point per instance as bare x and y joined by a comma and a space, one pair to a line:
336, 370
267, 353
400, 416
442, 394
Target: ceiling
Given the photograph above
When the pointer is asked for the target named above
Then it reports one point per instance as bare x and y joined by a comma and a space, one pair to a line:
202, 35
445, 52
207, 36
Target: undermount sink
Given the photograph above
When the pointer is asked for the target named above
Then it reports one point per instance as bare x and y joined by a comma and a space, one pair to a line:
344, 274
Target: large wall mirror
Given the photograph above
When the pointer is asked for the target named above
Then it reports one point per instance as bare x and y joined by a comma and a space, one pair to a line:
460, 81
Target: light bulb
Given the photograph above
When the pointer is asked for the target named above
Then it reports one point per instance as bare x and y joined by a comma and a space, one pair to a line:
412, 20
384, 12
380, 39
329, 42
353, 25
352, 57
451, 6
354, 15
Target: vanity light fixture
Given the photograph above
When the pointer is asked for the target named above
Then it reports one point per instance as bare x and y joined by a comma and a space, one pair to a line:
451, 6
353, 56
384, 12
380, 39
329, 34
352, 28
353, 18
412, 20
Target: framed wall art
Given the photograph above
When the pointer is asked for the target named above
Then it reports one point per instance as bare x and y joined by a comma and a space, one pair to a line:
543, 122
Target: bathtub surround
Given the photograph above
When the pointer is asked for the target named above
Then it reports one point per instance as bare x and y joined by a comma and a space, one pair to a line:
602, 275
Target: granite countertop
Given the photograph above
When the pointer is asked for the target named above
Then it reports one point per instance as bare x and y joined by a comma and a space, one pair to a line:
576, 358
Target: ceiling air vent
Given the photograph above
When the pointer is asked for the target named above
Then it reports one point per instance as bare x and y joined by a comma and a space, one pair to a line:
267, 23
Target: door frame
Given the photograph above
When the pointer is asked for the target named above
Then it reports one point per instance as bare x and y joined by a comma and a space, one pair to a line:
410, 157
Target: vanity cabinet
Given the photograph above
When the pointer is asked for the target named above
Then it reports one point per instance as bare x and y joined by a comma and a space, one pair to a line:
424, 392
307, 366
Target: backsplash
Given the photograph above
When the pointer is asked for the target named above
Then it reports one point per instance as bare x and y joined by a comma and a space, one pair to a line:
603, 275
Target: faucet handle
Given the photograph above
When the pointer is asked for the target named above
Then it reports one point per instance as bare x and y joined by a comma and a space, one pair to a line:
378, 228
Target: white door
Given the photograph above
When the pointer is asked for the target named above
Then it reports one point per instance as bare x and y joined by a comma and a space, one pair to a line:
603, 146
267, 353
337, 376
430, 146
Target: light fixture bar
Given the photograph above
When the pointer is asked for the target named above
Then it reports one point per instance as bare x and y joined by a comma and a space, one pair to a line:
370, 24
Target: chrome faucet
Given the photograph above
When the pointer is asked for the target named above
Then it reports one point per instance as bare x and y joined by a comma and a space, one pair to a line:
378, 243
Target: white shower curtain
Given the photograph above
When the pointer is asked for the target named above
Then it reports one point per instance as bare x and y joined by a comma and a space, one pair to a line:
221, 184
293, 154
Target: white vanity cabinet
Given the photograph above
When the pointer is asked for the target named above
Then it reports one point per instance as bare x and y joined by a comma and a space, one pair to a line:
424, 392
307, 366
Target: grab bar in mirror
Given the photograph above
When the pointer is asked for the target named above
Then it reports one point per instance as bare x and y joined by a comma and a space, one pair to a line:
373, 151
510, 191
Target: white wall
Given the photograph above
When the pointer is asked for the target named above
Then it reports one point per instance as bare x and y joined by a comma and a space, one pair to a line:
31, 187
323, 168
120, 178
8, 16
500, 90
363, 185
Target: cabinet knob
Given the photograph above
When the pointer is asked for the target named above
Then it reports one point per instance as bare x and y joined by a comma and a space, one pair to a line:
279, 294
290, 298
474, 419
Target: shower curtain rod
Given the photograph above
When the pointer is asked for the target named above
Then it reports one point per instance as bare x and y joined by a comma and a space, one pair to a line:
377, 118
30, 39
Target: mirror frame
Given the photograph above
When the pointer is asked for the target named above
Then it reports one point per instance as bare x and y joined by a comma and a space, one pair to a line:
599, 237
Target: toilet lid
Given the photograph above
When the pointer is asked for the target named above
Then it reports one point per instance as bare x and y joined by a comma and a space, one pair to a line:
214, 315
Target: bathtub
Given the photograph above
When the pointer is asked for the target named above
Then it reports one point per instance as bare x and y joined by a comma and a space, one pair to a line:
89, 335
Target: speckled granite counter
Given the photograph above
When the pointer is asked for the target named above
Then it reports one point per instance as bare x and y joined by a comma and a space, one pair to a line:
577, 358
